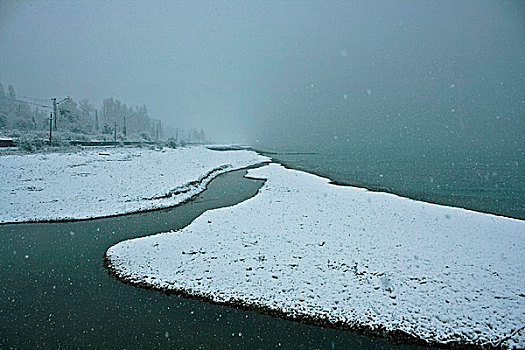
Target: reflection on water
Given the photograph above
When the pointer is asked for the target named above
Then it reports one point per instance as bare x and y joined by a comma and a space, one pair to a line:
55, 291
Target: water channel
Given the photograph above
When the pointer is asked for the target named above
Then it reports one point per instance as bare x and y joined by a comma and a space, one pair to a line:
56, 293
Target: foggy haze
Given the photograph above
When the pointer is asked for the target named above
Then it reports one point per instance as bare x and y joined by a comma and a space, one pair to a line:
405, 76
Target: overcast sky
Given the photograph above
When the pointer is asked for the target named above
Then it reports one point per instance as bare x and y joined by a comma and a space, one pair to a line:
283, 72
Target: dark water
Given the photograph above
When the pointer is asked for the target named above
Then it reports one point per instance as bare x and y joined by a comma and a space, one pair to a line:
487, 182
56, 293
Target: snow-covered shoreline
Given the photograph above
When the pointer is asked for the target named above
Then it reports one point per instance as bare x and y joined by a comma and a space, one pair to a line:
105, 182
302, 248
305, 249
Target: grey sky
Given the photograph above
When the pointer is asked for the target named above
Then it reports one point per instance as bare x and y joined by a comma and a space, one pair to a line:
404, 72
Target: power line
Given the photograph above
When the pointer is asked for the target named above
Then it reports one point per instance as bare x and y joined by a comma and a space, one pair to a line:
35, 99
31, 103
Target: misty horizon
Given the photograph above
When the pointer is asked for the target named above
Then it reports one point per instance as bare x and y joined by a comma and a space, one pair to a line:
383, 75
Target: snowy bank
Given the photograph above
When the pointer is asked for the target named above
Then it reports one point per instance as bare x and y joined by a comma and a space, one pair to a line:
108, 181
305, 249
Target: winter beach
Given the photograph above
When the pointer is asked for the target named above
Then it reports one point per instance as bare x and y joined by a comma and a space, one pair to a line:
300, 248
262, 174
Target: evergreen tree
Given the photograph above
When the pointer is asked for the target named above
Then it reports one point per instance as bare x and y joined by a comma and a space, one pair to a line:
11, 92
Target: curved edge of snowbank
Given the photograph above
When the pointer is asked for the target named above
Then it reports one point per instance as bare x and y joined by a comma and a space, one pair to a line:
89, 185
189, 191
147, 282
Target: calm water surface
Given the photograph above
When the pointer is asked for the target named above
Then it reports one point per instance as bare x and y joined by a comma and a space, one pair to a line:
56, 293
482, 182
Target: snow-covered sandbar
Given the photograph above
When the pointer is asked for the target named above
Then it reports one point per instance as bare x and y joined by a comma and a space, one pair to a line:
108, 181
306, 249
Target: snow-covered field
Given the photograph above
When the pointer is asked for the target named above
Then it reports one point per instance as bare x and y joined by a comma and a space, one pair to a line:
304, 247
107, 181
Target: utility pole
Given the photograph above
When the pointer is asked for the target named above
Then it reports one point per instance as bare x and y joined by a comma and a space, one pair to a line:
124, 128
55, 109
96, 120
50, 127
115, 134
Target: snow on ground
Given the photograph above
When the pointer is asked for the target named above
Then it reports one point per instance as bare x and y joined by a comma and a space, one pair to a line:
107, 181
367, 260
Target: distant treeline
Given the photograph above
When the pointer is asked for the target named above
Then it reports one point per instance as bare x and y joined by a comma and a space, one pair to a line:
23, 114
